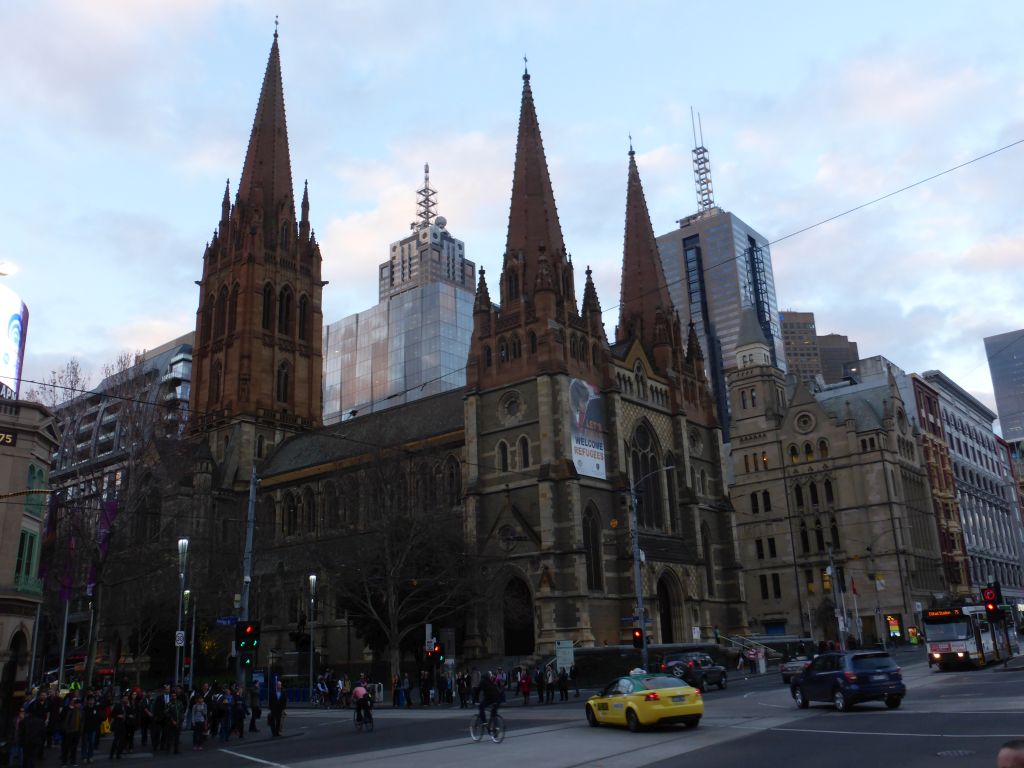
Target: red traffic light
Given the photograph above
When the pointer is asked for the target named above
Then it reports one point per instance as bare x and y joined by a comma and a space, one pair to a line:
988, 594
638, 638
248, 629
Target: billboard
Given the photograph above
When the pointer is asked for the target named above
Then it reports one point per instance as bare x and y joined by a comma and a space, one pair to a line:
586, 425
13, 326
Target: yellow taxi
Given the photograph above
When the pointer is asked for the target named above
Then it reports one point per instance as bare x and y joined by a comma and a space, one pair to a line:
643, 699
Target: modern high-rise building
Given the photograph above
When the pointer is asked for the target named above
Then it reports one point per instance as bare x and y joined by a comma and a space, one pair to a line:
837, 353
800, 340
985, 487
414, 342
715, 265
1006, 365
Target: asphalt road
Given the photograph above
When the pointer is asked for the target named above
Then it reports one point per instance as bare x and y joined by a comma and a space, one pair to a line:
957, 719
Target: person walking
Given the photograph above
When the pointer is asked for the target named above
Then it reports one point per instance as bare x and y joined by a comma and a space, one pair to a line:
255, 710
538, 683
524, 686
92, 716
199, 722
31, 736
550, 680
574, 679
277, 705
563, 684
71, 726
118, 729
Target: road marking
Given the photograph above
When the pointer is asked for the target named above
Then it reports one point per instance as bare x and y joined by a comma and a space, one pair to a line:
250, 757
876, 733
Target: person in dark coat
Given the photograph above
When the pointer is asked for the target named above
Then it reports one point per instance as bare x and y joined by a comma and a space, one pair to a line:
277, 705
118, 727
32, 735
71, 726
92, 716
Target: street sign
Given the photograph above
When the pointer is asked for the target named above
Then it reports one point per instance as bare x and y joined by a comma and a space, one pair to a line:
227, 621
635, 619
179, 638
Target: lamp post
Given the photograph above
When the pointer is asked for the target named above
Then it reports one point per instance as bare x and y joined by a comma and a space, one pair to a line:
312, 619
187, 595
178, 649
636, 561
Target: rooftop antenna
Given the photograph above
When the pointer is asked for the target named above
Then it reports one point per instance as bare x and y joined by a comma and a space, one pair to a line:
428, 202
701, 168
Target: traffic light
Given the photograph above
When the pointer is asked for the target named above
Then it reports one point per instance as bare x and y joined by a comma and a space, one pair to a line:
439, 650
247, 639
638, 639
990, 595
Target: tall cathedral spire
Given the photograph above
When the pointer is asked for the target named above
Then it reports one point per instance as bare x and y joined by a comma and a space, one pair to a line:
645, 302
266, 183
533, 225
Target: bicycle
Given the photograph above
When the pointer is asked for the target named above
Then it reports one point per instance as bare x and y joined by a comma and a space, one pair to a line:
495, 728
366, 721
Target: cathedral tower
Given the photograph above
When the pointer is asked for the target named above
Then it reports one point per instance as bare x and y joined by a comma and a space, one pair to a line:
257, 364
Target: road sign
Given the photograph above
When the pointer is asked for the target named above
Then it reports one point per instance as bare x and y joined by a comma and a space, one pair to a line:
635, 619
227, 621
564, 656
179, 638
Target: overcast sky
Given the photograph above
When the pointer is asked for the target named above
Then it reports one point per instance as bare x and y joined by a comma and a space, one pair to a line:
123, 118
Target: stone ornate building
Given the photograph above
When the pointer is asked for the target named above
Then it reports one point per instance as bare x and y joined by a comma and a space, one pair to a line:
538, 453
831, 491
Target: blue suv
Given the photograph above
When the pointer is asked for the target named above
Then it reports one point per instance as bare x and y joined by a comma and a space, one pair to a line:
849, 678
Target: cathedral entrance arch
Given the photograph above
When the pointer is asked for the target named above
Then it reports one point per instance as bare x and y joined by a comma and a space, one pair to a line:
517, 618
670, 609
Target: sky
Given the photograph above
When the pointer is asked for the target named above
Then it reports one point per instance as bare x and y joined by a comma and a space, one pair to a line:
122, 119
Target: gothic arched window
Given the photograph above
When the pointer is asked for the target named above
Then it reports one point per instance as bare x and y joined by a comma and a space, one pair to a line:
215, 383
646, 478
766, 501
284, 311
503, 456
267, 319
709, 562
524, 453
754, 506
533, 343
516, 347
282, 383
592, 550
220, 312
233, 309
805, 542
487, 357
303, 318
207, 321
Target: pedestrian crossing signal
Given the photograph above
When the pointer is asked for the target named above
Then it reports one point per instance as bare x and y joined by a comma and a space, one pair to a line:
638, 638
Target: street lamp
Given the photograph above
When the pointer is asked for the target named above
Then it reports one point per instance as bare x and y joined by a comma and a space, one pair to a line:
188, 595
312, 619
636, 561
178, 649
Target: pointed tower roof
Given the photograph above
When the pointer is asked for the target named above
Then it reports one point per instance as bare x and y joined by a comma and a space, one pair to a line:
533, 217
266, 179
750, 331
644, 291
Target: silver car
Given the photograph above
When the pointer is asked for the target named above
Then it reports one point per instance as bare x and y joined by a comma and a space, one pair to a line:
792, 667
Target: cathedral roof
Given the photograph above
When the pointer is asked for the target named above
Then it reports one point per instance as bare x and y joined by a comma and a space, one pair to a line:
390, 429
750, 331
267, 173
644, 291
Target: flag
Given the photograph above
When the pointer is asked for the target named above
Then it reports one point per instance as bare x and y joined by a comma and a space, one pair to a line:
853, 586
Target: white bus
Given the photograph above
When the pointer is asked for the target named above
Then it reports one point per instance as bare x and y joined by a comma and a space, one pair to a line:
964, 636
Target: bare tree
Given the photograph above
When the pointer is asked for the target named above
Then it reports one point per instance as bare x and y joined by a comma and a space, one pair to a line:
407, 561
60, 386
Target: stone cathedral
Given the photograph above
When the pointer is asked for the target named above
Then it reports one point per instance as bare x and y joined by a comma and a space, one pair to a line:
558, 428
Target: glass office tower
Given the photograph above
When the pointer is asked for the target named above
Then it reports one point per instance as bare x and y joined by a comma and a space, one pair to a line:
415, 341
715, 266
1006, 365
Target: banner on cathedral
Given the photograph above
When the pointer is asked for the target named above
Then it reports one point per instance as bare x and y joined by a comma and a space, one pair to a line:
586, 420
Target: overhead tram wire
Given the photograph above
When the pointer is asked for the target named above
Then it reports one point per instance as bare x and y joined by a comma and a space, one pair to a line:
419, 387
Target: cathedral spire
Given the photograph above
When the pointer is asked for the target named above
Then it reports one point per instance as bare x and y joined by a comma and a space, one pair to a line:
533, 218
265, 188
645, 302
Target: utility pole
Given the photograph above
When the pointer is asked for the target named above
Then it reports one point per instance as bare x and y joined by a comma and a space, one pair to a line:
250, 524
841, 606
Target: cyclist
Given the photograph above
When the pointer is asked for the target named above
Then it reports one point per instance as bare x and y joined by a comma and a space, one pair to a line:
490, 696
361, 698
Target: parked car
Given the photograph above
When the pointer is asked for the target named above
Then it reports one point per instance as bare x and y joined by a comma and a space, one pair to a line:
697, 669
645, 699
792, 666
849, 678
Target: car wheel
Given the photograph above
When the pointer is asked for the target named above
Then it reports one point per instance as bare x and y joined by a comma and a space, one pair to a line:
800, 698
692, 722
703, 685
678, 671
722, 682
632, 721
591, 717
893, 702
839, 699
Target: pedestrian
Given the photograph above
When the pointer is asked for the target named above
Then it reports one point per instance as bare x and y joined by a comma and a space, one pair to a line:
118, 712
32, 735
161, 706
574, 677
16, 752
1011, 754
199, 722
718, 635
131, 720
524, 687
93, 716
228, 708
563, 684
474, 682
538, 683
240, 710
71, 726
255, 710
277, 704
175, 719
550, 681
407, 691
144, 717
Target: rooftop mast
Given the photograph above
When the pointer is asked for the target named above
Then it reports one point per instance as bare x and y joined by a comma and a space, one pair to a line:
701, 169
